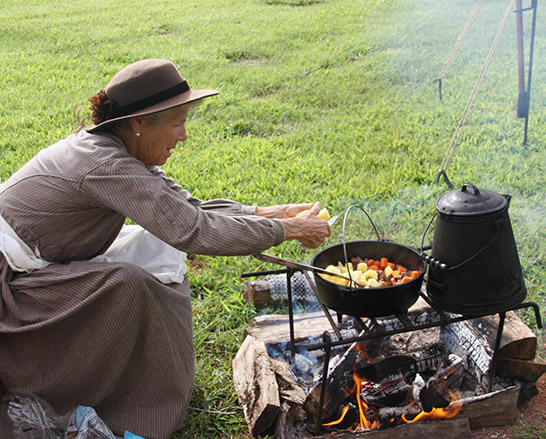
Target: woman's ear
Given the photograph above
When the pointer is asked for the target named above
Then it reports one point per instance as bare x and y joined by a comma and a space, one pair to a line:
137, 123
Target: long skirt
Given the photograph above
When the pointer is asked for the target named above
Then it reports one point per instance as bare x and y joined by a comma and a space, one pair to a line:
105, 335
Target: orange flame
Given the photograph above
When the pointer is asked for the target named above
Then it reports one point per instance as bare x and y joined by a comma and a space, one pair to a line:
343, 413
362, 406
448, 412
365, 424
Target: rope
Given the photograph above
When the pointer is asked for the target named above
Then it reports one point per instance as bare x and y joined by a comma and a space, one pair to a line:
462, 121
460, 40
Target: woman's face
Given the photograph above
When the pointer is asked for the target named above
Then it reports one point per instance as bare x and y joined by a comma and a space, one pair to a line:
154, 145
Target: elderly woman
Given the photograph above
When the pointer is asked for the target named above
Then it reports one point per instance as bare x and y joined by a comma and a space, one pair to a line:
83, 321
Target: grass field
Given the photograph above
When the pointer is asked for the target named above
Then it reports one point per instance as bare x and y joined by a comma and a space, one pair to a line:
328, 100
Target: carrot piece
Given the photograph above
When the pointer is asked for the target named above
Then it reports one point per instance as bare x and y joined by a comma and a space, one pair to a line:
383, 263
392, 265
396, 273
414, 274
406, 279
373, 267
370, 262
402, 268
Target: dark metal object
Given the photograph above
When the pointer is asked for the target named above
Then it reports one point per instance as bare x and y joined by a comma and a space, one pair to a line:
298, 265
327, 351
524, 95
370, 302
473, 236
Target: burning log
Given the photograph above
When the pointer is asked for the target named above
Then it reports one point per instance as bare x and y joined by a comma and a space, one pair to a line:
449, 377
431, 362
473, 340
389, 415
456, 428
336, 388
388, 394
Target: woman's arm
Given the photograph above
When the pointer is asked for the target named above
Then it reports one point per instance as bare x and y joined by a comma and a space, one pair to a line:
307, 228
283, 210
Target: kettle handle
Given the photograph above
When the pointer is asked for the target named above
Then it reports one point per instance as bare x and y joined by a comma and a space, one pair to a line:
469, 185
427, 258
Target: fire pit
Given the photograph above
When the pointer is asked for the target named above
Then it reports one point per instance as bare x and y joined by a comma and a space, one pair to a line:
367, 376
375, 375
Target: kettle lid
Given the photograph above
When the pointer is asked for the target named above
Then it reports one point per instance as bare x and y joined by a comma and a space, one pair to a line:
469, 200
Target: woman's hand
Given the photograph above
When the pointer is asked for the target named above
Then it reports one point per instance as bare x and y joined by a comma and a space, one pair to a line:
284, 210
307, 228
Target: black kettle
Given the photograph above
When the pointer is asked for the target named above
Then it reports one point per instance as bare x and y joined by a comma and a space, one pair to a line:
473, 238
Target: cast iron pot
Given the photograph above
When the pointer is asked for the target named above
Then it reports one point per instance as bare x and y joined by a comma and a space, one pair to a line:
369, 302
474, 238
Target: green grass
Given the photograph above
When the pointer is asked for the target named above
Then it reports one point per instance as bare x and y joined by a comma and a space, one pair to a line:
330, 100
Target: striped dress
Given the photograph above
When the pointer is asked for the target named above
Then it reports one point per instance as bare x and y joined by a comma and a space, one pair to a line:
107, 335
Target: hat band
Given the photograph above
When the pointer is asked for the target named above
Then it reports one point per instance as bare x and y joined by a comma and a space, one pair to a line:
133, 107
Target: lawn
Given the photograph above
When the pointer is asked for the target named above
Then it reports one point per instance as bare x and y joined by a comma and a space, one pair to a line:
328, 100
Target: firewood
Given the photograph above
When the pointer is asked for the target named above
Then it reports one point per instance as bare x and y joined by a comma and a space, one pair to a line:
289, 415
289, 389
257, 292
274, 328
456, 428
339, 380
527, 370
256, 385
517, 341
492, 409
388, 413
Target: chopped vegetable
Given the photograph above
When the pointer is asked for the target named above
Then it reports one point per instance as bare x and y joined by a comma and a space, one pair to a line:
373, 273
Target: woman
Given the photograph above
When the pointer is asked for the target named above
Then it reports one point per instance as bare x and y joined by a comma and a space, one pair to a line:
79, 327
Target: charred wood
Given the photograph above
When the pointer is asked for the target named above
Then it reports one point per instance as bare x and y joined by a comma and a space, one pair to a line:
456, 428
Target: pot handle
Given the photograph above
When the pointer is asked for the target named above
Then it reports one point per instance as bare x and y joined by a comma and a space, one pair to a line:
365, 213
343, 239
442, 265
429, 259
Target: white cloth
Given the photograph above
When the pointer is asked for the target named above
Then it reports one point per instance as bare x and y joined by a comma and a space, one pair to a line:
139, 247
19, 255
133, 245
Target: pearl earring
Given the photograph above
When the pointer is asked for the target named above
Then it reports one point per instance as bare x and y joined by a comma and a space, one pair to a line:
137, 134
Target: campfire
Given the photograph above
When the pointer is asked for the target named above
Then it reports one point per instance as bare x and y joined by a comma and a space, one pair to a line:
447, 356
296, 377
400, 388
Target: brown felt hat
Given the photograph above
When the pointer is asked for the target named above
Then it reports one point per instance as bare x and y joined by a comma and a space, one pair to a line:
145, 87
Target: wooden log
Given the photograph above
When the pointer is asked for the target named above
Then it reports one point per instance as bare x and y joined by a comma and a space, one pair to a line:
527, 370
289, 389
456, 428
256, 385
493, 409
289, 415
257, 292
335, 394
517, 341
274, 328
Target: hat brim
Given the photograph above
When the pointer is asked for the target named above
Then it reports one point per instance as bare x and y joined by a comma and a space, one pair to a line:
175, 101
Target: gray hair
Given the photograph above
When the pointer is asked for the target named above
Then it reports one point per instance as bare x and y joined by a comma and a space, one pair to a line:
156, 119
